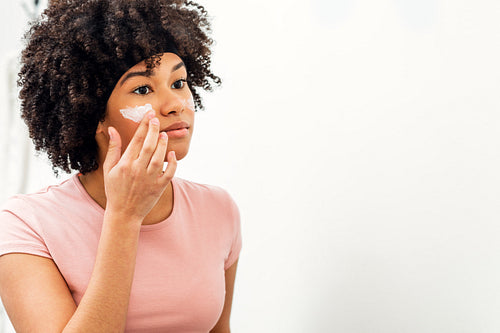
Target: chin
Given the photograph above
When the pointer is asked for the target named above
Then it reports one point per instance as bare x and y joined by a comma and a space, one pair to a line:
179, 154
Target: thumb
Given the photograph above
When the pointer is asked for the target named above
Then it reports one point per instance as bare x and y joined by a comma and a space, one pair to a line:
114, 149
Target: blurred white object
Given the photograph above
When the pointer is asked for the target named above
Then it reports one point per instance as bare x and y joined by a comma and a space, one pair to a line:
15, 148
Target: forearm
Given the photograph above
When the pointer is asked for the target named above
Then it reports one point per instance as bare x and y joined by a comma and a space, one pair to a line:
104, 305
133, 183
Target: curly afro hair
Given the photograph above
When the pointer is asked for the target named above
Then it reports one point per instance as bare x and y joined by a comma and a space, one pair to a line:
78, 50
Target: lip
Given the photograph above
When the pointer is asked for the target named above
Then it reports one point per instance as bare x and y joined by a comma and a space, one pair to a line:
177, 130
176, 126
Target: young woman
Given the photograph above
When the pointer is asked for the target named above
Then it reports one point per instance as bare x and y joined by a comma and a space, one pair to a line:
109, 88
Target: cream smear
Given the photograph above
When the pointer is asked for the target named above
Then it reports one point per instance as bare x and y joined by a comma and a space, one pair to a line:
188, 103
136, 114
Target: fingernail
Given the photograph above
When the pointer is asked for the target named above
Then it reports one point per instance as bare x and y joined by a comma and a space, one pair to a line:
110, 134
155, 121
163, 135
151, 114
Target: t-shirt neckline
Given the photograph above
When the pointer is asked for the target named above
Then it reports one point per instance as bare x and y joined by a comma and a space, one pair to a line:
147, 227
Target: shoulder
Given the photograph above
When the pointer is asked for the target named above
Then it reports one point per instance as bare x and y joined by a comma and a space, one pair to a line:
43, 200
197, 187
211, 197
24, 217
202, 190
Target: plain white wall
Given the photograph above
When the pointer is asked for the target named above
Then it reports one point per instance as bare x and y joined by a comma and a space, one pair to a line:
360, 140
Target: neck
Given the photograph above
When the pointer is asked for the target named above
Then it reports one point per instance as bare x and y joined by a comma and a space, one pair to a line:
93, 182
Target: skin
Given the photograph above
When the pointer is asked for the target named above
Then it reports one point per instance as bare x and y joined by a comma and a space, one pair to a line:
132, 187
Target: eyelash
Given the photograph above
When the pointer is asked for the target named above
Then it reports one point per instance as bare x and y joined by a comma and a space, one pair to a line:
183, 80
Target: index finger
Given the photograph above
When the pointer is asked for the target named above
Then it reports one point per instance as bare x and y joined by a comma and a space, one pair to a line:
135, 145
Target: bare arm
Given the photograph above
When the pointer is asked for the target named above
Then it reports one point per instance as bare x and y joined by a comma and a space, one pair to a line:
37, 298
104, 305
35, 294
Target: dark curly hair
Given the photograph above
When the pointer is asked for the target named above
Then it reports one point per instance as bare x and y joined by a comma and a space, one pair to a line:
77, 51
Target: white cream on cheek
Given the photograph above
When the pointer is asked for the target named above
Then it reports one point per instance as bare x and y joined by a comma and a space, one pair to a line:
188, 103
137, 113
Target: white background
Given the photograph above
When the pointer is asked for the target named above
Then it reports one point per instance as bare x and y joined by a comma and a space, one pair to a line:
360, 140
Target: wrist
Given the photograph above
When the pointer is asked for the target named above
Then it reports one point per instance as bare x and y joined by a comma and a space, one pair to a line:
114, 216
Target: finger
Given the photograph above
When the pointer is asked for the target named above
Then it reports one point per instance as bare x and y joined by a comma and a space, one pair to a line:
156, 163
114, 150
171, 167
135, 145
150, 143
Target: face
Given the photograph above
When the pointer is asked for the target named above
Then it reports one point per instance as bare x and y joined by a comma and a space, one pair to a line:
165, 90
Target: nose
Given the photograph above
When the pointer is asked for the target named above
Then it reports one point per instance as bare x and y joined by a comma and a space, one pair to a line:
171, 104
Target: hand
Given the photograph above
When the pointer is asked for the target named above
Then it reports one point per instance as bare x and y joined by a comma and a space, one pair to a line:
135, 181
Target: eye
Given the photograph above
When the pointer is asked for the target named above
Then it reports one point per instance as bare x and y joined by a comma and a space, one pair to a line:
179, 84
142, 90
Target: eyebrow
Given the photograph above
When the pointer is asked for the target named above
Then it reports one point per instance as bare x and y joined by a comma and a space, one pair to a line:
179, 65
132, 74
149, 74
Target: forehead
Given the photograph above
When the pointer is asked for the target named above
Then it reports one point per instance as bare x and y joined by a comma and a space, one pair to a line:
167, 61
167, 64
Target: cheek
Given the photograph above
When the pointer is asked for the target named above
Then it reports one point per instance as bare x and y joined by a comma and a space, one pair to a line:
126, 135
189, 107
136, 113
125, 127
190, 116
188, 103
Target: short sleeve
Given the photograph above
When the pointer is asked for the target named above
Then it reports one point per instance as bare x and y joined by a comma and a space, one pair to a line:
236, 236
17, 235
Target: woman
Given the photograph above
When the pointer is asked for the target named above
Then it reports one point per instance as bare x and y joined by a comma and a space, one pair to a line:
109, 89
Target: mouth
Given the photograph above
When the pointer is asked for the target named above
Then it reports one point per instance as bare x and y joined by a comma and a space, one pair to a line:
177, 130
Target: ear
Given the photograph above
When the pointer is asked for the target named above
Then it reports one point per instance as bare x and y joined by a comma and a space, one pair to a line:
100, 128
102, 140
101, 134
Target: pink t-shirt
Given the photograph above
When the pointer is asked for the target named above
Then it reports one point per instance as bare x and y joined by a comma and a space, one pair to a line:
179, 281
